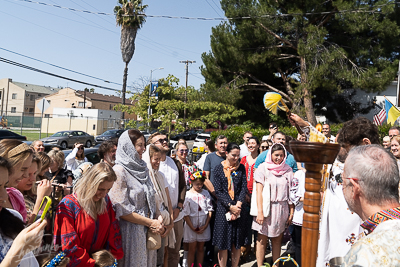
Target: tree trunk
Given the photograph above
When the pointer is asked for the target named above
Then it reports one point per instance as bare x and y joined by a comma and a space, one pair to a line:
307, 97
124, 87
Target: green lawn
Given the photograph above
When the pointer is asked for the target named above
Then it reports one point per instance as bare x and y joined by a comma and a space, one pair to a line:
31, 135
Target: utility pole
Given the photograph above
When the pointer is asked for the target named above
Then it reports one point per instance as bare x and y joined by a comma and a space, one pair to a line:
187, 73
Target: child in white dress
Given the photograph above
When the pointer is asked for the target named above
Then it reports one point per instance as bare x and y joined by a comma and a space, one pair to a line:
197, 210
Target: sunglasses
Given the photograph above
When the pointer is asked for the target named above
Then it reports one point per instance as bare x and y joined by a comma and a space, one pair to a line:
183, 151
81, 148
161, 140
264, 147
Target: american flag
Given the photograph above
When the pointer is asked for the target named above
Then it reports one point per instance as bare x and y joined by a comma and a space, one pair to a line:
380, 117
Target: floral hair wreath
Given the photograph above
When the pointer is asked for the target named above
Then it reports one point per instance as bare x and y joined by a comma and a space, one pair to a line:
197, 175
56, 260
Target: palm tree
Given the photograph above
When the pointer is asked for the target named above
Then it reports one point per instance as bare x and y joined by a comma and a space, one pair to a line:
130, 16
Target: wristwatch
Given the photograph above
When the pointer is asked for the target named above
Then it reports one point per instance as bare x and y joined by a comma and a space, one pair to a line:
179, 208
229, 205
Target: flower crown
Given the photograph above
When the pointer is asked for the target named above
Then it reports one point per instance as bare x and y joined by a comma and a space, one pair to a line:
56, 260
197, 175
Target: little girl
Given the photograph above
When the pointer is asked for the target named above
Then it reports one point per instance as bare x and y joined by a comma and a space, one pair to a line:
279, 177
197, 210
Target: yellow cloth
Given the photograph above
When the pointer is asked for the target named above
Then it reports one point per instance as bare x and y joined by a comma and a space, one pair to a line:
228, 169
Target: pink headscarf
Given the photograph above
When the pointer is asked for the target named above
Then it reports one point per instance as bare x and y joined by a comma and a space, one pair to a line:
276, 169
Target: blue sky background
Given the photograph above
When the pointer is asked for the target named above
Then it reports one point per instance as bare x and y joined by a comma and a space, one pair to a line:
89, 43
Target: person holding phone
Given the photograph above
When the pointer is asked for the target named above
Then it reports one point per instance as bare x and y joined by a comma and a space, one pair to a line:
20, 157
16, 243
34, 193
76, 157
85, 221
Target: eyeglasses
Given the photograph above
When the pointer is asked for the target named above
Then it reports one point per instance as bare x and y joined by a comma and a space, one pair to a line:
183, 151
161, 140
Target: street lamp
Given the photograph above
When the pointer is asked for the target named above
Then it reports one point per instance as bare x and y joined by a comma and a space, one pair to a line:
148, 110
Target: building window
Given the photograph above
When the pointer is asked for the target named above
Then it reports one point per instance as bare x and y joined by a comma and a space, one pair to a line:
48, 101
13, 110
14, 96
39, 95
0, 95
31, 110
32, 97
47, 115
80, 104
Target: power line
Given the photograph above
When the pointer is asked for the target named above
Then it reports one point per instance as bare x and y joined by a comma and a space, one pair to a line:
219, 14
59, 67
55, 75
359, 10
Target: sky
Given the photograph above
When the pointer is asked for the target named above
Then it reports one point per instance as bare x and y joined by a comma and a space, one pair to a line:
89, 43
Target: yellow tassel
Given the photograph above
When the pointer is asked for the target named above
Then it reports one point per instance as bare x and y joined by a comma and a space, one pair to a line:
271, 102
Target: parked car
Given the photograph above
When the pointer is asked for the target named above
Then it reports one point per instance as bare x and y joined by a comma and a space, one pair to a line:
90, 154
107, 135
146, 135
200, 139
189, 134
67, 139
6, 134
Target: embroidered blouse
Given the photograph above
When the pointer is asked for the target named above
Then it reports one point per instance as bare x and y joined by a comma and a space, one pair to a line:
80, 235
384, 215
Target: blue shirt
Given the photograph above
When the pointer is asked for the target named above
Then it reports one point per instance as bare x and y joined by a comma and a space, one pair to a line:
212, 161
289, 160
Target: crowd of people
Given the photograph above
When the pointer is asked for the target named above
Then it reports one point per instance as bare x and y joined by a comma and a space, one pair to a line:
140, 207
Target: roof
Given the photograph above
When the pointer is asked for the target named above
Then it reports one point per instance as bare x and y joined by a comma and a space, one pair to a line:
104, 98
37, 88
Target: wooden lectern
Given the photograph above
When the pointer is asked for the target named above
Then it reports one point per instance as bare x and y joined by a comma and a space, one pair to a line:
314, 155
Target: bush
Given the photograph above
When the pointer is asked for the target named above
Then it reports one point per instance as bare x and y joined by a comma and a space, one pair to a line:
235, 133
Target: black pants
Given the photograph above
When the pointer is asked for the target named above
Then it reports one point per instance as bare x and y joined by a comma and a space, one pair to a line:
296, 236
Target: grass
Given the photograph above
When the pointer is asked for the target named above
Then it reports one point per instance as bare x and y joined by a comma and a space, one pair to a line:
31, 135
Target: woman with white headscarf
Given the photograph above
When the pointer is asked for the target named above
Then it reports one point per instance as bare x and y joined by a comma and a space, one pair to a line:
152, 157
134, 202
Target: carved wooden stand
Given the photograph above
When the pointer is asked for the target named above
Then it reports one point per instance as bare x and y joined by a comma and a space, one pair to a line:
314, 155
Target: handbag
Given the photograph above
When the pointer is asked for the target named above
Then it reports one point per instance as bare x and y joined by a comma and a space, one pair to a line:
266, 196
153, 241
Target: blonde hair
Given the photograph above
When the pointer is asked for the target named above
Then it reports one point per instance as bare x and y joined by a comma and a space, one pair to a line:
58, 156
33, 190
20, 151
153, 149
86, 188
45, 160
103, 258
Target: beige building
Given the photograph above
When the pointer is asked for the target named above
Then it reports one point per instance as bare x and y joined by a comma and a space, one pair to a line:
69, 98
18, 98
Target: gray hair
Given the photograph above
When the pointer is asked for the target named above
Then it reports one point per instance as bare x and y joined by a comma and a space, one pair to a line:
377, 172
219, 137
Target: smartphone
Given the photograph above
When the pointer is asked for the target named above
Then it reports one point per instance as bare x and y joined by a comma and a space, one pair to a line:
44, 207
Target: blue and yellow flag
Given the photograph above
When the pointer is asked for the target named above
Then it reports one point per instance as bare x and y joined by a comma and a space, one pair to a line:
392, 113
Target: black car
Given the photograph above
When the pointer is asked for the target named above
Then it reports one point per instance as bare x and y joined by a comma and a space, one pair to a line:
90, 154
107, 135
189, 134
6, 134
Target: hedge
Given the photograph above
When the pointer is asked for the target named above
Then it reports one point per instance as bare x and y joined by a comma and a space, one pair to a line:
235, 133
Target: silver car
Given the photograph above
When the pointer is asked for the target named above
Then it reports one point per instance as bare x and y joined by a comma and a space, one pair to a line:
67, 139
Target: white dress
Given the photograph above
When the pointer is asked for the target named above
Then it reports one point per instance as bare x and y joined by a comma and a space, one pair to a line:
197, 206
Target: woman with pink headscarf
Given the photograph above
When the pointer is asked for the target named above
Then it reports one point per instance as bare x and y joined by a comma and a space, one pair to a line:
279, 177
